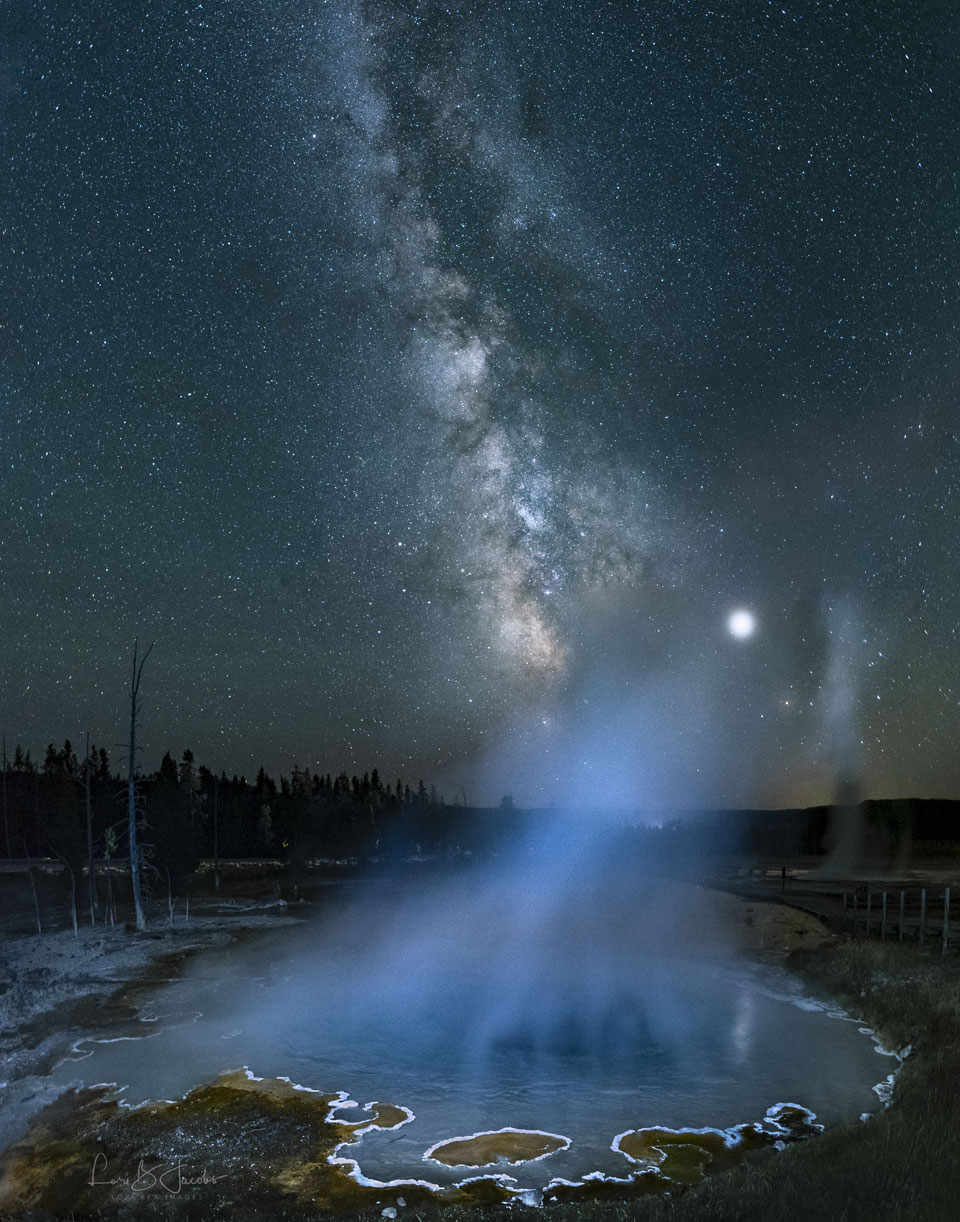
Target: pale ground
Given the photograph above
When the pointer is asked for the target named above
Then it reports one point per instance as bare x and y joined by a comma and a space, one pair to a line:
701, 920
752, 926
51, 983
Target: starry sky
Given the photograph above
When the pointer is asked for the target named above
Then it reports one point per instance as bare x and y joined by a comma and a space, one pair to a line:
432, 382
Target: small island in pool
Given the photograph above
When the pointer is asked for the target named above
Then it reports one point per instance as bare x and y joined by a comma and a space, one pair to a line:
504, 1145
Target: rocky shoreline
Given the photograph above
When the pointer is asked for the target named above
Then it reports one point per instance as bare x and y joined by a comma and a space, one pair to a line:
58, 988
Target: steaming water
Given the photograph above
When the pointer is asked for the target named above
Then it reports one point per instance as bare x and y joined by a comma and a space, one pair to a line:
608, 1005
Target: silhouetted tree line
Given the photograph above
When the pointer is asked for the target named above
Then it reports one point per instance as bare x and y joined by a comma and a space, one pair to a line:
73, 808
47, 812
894, 827
190, 812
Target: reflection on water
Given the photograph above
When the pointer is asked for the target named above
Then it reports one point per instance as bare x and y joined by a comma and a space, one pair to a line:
598, 1013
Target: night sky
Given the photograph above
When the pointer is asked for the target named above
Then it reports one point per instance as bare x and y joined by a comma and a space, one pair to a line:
433, 382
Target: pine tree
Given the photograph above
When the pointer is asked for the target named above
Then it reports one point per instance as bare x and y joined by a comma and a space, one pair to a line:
186, 768
68, 758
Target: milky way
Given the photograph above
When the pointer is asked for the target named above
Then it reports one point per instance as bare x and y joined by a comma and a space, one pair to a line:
433, 383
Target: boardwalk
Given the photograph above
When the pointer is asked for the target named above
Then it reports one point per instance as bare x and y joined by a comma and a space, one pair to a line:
916, 905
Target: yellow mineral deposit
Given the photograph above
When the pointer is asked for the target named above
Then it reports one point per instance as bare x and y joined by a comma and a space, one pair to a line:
504, 1145
267, 1143
238, 1138
685, 1156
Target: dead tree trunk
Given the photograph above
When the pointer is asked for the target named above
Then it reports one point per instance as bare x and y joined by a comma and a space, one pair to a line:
109, 844
216, 844
6, 821
73, 897
33, 886
131, 790
91, 874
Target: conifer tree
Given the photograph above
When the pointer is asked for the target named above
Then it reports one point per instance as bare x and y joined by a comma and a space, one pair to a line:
168, 770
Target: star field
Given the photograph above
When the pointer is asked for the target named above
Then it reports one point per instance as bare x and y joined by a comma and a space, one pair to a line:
433, 382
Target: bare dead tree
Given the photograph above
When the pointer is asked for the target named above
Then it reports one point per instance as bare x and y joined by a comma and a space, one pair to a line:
216, 845
91, 874
73, 898
109, 845
6, 823
33, 886
131, 789
169, 897
68, 866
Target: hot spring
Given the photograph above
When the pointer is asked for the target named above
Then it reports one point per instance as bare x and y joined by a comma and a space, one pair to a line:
560, 995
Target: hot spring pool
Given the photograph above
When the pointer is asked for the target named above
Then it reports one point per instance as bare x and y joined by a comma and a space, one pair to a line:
478, 1011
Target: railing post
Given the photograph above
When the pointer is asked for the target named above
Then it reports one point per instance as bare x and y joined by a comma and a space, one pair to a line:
883, 918
900, 922
869, 898
923, 914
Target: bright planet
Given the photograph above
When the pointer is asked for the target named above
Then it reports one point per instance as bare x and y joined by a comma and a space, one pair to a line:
741, 624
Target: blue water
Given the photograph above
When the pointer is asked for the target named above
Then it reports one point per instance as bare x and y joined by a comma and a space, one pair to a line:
584, 1020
